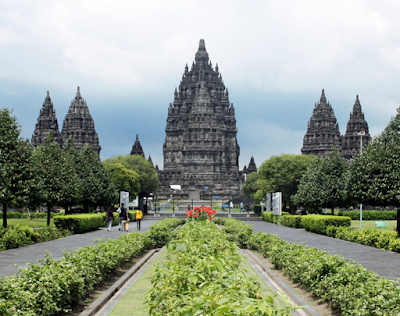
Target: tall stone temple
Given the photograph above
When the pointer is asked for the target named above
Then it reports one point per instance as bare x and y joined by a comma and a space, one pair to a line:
201, 152
47, 122
78, 123
351, 141
323, 131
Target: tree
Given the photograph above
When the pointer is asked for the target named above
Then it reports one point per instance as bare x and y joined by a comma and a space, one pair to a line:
375, 174
250, 186
147, 174
56, 175
123, 178
325, 183
16, 172
282, 174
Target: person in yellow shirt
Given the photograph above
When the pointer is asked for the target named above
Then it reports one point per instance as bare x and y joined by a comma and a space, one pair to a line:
139, 216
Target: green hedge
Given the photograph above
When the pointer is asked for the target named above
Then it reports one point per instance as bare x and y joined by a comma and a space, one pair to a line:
257, 209
319, 223
369, 237
371, 215
270, 217
79, 223
348, 287
293, 221
238, 232
52, 286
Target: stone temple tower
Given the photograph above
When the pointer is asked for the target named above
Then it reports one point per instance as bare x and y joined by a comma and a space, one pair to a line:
351, 140
79, 124
201, 152
47, 121
322, 131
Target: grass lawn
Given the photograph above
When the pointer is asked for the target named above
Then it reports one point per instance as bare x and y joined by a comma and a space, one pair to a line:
371, 224
133, 302
35, 222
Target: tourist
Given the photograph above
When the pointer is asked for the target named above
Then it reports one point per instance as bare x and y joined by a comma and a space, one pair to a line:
241, 207
139, 216
231, 206
110, 217
123, 218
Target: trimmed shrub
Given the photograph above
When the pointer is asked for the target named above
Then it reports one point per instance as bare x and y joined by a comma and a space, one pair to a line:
79, 223
270, 217
319, 223
238, 231
371, 215
257, 208
293, 221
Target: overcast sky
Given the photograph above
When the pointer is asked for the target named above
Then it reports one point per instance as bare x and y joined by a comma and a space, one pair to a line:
128, 57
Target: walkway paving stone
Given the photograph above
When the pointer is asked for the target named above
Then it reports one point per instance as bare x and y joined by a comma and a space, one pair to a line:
382, 262
56, 248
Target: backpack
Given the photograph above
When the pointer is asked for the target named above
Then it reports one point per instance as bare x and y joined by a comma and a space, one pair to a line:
123, 213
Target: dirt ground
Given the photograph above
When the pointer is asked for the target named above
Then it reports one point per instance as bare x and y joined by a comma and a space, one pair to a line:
319, 305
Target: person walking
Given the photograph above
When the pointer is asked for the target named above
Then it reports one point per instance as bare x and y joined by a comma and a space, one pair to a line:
110, 217
139, 216
123, 218
241, 207
231, 205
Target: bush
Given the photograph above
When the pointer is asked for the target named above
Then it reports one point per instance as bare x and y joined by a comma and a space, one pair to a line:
20, 236
79, 223
270, 217
257, 209
371, 215
319, 223
238, 231
293, 221
52, 286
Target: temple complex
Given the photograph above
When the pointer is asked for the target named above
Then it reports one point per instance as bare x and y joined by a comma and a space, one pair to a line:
47, 121
323, 131
201, 152
351, 141
79, 124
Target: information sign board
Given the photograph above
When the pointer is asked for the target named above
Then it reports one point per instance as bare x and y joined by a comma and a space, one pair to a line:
268, 205
277, 203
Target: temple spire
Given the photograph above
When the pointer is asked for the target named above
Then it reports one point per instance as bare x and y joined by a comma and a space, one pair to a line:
323, 98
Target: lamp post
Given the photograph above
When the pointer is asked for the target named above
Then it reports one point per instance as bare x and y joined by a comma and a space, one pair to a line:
361, 134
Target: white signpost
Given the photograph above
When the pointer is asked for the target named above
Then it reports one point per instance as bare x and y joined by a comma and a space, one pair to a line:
268, 205
277, 203
124, 198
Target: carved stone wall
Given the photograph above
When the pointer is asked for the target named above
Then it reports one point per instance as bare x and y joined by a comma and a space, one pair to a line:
201, 148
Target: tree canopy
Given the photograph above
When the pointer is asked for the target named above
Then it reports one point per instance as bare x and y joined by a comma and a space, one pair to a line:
282, 174
147, 174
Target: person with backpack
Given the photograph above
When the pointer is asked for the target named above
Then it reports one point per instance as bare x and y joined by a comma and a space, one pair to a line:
123, 218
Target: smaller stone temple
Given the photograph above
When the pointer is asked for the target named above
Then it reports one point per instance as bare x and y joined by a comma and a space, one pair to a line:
322, 130
47, 121
137, 148
250, 169
80, 125
351, 141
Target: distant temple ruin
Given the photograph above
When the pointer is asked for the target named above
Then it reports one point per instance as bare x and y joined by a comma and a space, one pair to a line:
323, 131
78, 124
201, 152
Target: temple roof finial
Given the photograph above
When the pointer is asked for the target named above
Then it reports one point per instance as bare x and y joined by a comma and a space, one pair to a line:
323, 98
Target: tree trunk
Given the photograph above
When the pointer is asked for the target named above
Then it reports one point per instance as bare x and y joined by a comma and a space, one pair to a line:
292, 209
333, 210
284, 207
398, 222
48, 214
5, 215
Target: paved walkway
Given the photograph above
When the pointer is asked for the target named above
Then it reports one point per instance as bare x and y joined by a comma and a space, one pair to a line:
57, 247
384, 263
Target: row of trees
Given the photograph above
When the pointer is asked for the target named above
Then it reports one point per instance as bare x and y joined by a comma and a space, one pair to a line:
54, 176
372, 178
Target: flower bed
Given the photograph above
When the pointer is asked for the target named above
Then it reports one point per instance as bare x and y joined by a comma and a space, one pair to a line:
201, 276
201, 213
52, 286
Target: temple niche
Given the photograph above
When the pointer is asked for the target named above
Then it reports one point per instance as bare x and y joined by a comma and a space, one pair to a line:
79, 124
47, 122
200, 149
